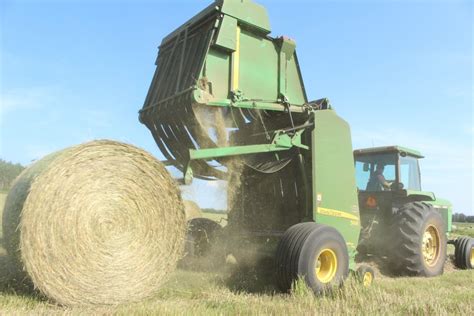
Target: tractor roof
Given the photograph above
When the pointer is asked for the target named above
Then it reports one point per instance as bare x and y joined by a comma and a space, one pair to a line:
388, 149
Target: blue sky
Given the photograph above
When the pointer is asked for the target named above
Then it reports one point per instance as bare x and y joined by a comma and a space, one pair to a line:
401, 72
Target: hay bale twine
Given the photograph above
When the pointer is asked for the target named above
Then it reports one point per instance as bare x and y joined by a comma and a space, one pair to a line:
192, 210
101, 223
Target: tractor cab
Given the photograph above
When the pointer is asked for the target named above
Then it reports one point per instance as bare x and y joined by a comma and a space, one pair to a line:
392, 204
383, 169
387, 177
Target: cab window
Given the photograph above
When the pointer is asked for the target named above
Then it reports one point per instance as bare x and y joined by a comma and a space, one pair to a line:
369, 171
410, 173
362, 175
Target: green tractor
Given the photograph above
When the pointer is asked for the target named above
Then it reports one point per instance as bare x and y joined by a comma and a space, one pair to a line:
228, 102
400, 222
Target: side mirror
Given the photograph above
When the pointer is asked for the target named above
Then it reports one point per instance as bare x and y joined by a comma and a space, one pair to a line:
366, 167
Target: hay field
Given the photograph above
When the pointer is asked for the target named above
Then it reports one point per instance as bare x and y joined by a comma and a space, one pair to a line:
464, 229
220, 218
225, 290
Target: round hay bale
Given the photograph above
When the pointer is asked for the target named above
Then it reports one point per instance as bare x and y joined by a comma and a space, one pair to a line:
192, 210
101, 223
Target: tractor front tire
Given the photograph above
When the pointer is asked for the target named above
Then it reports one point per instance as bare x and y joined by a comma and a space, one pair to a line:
464, 253
315, 252
419, 241
365, 275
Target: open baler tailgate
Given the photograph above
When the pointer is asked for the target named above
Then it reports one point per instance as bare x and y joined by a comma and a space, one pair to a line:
222, 81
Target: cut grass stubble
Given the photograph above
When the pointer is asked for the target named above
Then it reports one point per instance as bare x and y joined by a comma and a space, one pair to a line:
219, 291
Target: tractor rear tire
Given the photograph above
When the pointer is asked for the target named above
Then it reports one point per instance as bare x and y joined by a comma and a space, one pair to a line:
464, 253
419, 241
315, 252
201, 235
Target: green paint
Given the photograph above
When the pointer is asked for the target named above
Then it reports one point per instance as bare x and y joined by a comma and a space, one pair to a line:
287, 51
333, 176
423, 195
445, 208
267, 66
247, 12
281, 141
269, 106
212, 153
217, 64
388, 149
227, 37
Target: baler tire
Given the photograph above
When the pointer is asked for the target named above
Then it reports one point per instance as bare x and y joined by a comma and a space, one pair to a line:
315, 252
201, 235
288, 247
412, 223
464, 253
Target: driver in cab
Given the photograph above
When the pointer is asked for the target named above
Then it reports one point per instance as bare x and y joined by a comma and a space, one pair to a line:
378, 181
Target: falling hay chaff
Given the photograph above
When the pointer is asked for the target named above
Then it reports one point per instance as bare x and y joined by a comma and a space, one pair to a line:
99, 223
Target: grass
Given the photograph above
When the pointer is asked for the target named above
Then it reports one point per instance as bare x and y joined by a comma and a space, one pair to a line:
463, 229
219, 218
224, 289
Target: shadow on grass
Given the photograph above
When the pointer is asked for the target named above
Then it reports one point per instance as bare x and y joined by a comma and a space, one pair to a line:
252, 277
13, 281
381, 266
244, 276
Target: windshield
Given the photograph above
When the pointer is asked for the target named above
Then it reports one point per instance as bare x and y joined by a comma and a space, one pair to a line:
379, 172
410, 173
376, 172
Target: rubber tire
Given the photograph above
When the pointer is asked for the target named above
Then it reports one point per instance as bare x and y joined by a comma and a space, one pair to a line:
201, 235
297, 251
462, 254
361, 271
410, 223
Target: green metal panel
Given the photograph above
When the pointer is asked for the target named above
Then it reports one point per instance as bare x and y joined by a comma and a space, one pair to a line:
258, 67
247, 12
246, 60
227, 37
287, 49
334, 186
294, 82
262, 67
421, 195
217, 72
445, 208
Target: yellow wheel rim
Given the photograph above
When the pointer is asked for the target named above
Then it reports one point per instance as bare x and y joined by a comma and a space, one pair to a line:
472, 257
326, 266
367, 279
431, 246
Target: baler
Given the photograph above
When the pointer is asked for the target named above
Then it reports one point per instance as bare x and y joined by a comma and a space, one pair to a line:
228, 102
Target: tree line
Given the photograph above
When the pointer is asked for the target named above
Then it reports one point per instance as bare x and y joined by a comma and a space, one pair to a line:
8, 172
213, 211
463, 218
